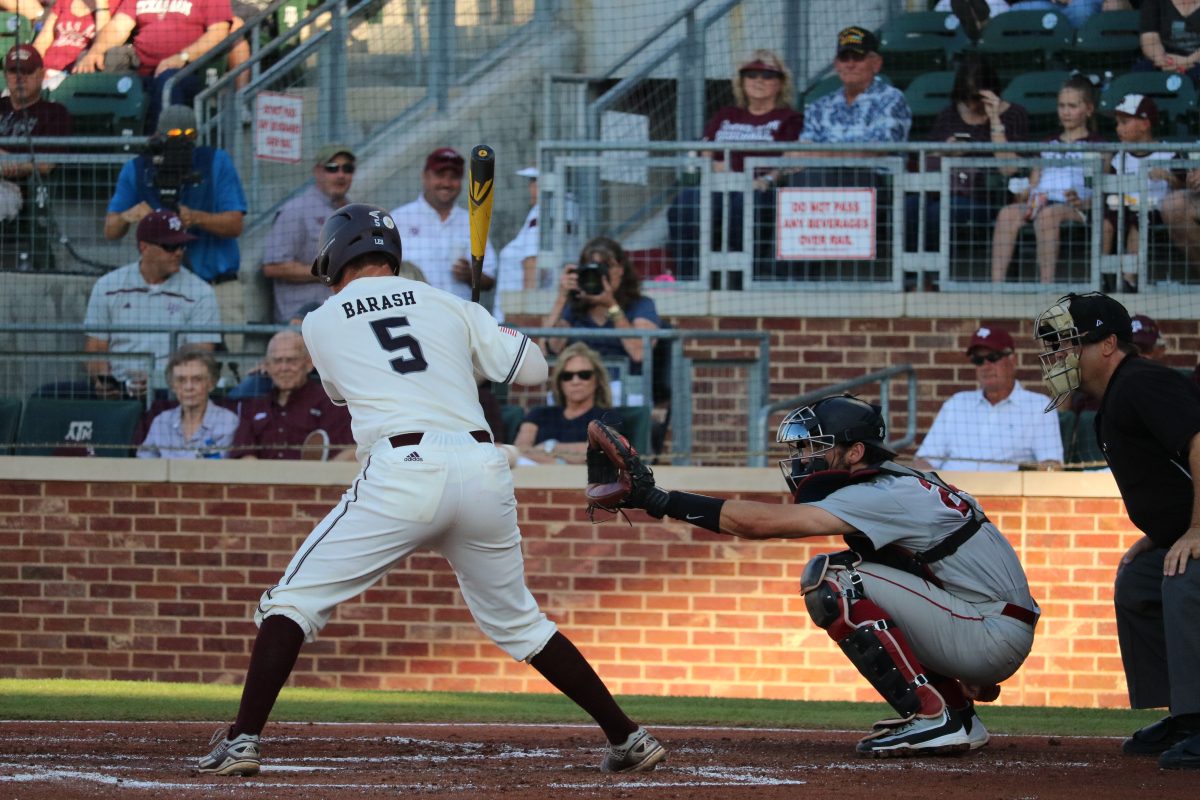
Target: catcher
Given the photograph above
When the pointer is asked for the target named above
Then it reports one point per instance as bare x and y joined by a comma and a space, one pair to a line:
929, 603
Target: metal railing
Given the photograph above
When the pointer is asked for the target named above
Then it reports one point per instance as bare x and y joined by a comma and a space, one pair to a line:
884, 377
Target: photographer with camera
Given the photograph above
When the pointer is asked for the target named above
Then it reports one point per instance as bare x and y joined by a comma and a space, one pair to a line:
202, 186
603, 291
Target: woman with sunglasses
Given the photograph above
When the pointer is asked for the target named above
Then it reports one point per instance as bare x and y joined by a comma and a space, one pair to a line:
557, 434
762, 112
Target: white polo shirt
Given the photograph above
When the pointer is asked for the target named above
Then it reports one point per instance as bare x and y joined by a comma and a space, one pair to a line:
434, 244
972, 434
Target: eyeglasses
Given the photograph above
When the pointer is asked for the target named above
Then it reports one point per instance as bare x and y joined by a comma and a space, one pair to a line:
332, 168
765, 74
583, 375
173, 248
990, 358
850, 55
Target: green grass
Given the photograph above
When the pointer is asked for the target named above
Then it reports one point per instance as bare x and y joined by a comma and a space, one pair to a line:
130, 700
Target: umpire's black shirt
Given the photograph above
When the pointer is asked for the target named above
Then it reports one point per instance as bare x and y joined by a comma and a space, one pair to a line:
1146, 422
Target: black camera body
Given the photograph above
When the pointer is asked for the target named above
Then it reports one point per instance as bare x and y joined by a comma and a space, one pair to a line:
591, 277
171, 157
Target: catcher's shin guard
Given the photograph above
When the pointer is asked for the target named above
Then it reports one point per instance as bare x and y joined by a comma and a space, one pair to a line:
872, 642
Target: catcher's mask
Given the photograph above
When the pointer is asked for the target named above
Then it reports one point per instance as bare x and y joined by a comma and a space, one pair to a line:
812, 431
354, 230
1065, 327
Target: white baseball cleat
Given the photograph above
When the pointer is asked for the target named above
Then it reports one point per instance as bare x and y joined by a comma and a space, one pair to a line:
639, 753
237, 756
943, 734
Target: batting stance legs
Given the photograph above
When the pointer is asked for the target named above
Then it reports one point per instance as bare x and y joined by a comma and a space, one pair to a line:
450, 493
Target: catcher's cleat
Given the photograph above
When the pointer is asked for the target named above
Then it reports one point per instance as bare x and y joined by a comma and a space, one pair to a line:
640, 753
978, 734
237, 756
943, 734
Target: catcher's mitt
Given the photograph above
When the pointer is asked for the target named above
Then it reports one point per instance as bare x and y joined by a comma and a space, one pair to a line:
617, 478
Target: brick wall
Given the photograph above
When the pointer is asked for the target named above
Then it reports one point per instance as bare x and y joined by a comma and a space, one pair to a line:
149, 571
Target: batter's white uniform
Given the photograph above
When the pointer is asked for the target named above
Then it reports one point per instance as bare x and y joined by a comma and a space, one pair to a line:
402, 355
960, 630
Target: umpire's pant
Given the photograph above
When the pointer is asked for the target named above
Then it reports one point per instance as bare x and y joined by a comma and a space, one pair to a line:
1158, 632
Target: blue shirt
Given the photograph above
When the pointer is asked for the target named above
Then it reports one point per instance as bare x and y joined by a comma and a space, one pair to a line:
211, 440
880, 114
219, 190
642, 308
551, 424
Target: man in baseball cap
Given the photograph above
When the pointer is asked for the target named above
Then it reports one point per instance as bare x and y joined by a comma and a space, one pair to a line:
437, 232
1146, 337
1000, 425
856, 41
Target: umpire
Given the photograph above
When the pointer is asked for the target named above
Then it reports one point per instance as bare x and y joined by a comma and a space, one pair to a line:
1147, 426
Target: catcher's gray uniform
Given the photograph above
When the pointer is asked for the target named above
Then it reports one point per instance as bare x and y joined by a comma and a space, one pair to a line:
961, 629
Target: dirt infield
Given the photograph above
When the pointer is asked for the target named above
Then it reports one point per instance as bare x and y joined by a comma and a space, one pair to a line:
55, 761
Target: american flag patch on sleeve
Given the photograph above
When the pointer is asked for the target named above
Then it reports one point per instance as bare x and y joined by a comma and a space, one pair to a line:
509, 331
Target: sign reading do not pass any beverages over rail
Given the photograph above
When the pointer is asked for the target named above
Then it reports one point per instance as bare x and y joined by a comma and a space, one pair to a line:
278, 127
825, 223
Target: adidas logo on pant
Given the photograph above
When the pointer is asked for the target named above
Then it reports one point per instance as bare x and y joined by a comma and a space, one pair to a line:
413, 456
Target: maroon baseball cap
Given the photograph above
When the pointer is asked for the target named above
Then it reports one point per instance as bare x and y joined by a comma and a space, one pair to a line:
1145, 332
444, 158
163, 227
1138, 105
991, 337
22, 58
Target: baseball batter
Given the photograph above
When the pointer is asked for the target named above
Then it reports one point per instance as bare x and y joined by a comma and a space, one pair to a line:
402, 356
930, 603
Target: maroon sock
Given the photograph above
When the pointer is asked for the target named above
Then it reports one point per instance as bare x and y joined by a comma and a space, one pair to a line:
566, 668
274, 655
951, 691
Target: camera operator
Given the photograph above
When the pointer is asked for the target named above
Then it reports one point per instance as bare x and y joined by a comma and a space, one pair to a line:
603, 292
202, 186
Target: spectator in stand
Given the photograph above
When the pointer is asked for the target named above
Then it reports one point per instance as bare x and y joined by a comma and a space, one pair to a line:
437, 233
282, 423
154, 290
557, 434
1136, 116
1056, 194
763, 112
68, 30
1170, 37
167, 36
518, 258
292, 243
974, 14
24, 228
1000, 425
206, 192
195, 427
1146, 338
1181, 213
976, 114
603, 292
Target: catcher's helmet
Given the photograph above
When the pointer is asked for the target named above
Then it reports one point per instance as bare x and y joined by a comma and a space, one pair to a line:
352, 231
810, 431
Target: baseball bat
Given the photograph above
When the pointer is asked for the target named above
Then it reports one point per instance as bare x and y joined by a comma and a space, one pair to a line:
479, 209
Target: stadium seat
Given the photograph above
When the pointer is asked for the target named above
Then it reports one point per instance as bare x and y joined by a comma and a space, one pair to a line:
102, 104
78, 427
1175, 96
14, 29
512, 415
634, 424
1107, 41
927, 95
10, 418
1087, 447
1067, 420
1020, 41
1037, 92
919, 42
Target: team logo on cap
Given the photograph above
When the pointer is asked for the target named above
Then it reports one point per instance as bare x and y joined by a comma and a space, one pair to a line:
983, 333
175, 223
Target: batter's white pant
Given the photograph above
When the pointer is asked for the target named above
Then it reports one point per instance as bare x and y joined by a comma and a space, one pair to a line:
449, 493
972, 642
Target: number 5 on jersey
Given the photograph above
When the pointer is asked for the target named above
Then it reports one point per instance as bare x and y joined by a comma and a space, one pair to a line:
414, 361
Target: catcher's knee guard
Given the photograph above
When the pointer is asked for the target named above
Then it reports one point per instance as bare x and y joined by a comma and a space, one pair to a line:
868, 637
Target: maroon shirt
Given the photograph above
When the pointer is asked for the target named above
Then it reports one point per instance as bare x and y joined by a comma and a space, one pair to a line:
968, 182
269, 430
735, 124
43, 118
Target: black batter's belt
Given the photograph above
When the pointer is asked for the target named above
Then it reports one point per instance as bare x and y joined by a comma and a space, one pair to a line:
409, 439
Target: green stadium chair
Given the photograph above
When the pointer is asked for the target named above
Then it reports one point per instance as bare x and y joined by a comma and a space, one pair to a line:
78, 427
1016, 42
10, 418
1107, 41
1067, 420
927, 96
1037, 92
102, 104
634, 424
512, 415
14, 29
919, 42
1087, 447
1175, 96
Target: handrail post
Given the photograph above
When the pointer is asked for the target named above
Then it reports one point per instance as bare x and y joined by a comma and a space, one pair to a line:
441, 26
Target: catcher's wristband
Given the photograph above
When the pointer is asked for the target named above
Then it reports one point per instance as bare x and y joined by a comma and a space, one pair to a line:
698, 509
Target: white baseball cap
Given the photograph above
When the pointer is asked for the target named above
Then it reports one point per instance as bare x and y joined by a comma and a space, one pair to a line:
528, 172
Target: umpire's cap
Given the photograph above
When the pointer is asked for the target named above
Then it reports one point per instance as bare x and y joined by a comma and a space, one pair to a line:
354, 230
